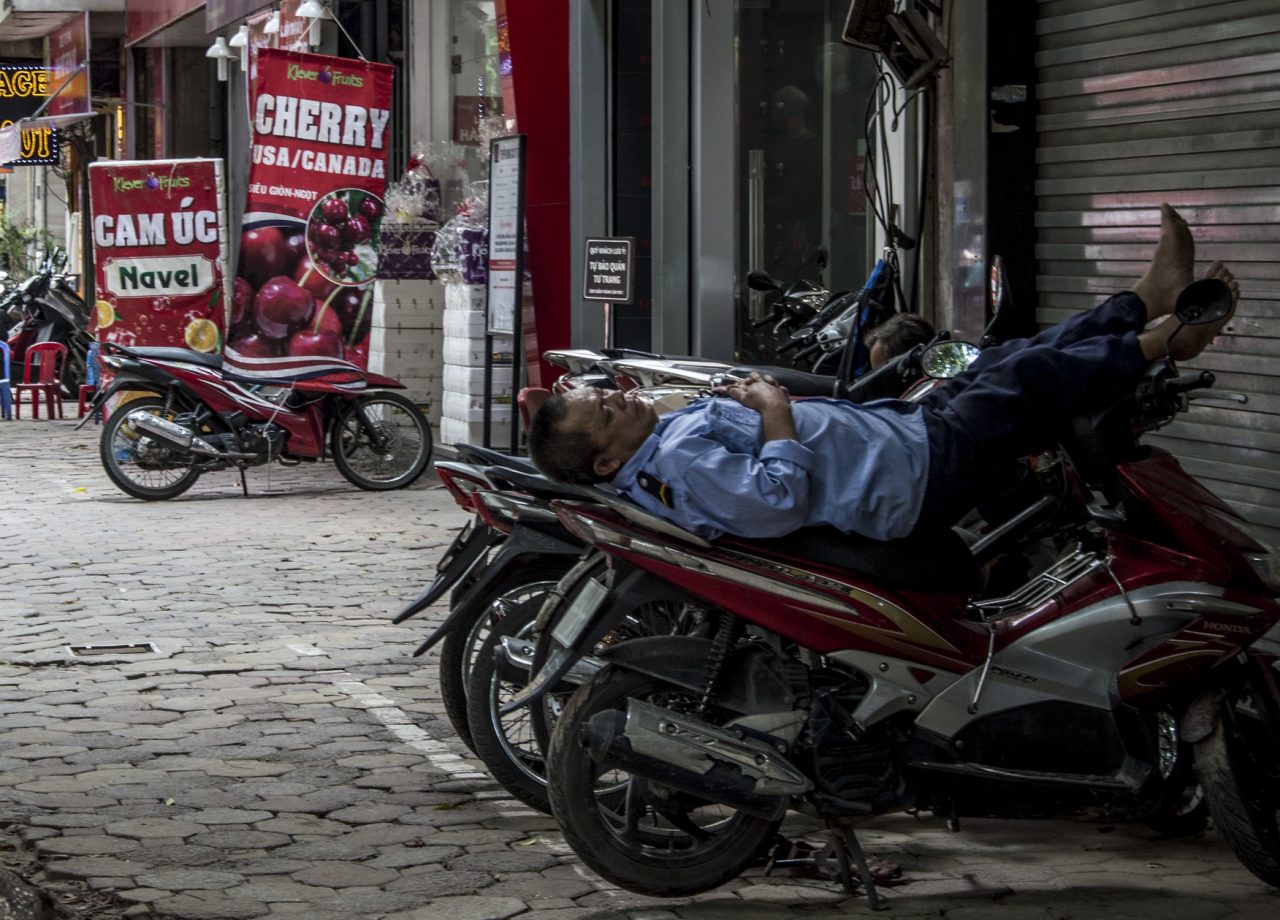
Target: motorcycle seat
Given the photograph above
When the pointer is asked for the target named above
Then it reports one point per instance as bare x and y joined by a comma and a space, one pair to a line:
798, 383
939, 562
507, 477
487, 456
186, 355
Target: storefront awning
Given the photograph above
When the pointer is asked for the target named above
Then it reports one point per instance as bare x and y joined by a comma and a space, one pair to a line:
29, 19
167, 23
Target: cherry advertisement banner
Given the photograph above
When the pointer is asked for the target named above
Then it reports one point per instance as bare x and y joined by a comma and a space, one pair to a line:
303, 291
159, 248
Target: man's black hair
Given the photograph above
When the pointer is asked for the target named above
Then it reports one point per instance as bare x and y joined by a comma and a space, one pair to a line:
564, 454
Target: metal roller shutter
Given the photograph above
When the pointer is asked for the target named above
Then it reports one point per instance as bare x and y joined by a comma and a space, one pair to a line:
1178, 101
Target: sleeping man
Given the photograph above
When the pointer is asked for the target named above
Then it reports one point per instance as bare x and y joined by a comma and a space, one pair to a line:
754, 463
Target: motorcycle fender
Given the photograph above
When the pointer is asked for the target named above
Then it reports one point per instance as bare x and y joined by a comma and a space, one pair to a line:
522, 543
679, 660
378, 381
579, 631
55, 305
1200, 719
468, 547
116, 385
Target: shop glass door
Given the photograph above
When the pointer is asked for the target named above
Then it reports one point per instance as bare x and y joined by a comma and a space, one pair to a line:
801, 148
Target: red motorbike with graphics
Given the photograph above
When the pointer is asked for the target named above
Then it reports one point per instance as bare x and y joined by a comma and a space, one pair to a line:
198, 416
844, 679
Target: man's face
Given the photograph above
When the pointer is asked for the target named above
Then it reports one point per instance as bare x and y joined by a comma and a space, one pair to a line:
878, 354
616, 422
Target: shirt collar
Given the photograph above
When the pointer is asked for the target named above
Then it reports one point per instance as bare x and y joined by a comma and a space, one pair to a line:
625, 478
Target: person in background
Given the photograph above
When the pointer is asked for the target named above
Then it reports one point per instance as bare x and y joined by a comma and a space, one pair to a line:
897, 334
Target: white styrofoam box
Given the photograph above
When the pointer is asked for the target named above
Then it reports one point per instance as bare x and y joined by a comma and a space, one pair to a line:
471, 351
465, 323
454, 431
468, 297
471, 407
426, 392
392, 338
412, 303
460, 379
404, 362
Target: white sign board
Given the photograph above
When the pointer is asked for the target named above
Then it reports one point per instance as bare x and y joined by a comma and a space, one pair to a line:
506, 233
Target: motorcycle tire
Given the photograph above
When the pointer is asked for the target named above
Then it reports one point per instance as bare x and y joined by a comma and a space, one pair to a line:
646, 853
649, 619
159, 475
1239, 769
506, 743
459, 648
407, 448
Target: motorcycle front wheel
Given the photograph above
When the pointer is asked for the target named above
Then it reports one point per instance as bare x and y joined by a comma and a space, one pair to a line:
1239, 769
139, 464
381, 441
645, 840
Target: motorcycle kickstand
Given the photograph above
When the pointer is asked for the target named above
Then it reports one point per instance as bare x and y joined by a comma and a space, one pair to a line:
244, 485
847, 849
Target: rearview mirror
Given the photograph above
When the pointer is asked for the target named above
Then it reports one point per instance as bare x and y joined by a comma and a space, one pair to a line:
945, 360
1205, 301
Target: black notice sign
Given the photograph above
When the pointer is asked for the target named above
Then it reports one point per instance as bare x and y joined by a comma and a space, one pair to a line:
609, 269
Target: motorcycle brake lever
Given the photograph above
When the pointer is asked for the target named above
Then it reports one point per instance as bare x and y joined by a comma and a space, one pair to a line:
1218, 394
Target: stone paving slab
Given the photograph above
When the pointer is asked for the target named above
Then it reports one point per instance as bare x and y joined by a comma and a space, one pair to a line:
236, 771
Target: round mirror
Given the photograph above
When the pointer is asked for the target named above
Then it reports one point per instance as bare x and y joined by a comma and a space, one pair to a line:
948, 359
1205, 301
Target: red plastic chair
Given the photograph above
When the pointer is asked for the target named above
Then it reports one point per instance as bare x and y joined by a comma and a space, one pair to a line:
530, 400
41, 373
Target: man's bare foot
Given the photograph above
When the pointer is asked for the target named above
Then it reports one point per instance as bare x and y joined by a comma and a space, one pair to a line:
1190, 341
1172, 266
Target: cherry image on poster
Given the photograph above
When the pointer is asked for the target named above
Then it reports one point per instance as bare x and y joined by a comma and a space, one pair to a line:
341, 232
286, 303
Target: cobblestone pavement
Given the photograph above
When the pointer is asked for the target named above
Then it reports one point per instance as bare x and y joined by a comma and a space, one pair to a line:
281, 754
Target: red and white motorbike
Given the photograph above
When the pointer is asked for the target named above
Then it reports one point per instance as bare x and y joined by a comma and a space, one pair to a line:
843, 678
199, 417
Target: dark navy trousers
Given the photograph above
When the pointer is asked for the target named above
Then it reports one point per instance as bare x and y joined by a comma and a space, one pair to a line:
1015, 398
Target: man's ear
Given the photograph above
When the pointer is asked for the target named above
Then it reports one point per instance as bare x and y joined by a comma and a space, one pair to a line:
605, 465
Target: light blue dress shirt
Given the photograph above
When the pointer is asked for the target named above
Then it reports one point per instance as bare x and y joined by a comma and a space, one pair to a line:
860, 468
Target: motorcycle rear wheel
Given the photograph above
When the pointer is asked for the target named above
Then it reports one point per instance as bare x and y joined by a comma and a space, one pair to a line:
507, 743
1239, 768
641, 851
406, 448
140, 465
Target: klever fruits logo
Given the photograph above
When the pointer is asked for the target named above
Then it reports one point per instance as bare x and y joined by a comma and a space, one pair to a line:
326, 76
151, 183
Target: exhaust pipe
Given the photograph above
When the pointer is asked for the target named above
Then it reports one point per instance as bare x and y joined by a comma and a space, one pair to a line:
694, 757
173, 433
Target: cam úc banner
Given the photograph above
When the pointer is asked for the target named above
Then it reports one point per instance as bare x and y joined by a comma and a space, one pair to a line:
159, 250
303, 290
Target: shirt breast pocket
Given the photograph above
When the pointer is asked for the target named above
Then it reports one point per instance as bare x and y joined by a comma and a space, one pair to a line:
734, 426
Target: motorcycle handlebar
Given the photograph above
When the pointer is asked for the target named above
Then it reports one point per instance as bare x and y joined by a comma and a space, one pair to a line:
1189, 382
767, 320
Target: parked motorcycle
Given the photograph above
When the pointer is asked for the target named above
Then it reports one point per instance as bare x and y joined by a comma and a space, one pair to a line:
46, 308
200, 417
844, 679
